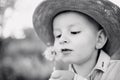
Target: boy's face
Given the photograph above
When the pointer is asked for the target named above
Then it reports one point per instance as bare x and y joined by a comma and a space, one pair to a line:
75, 37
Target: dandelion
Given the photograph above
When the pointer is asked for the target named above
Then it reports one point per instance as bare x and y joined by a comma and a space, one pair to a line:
52, 54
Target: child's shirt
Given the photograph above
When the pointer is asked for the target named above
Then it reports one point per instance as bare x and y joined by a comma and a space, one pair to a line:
105, 69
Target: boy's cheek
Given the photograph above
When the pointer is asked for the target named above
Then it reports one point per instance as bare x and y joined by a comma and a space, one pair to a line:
56, 44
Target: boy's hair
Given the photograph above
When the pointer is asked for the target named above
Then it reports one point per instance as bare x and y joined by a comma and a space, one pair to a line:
104, 12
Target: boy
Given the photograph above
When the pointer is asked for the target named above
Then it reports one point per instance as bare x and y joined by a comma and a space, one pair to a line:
83, 34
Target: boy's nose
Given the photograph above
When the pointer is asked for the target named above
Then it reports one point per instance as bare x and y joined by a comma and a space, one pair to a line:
64, 40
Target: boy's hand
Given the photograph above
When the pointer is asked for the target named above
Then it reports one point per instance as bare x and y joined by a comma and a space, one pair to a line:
62, 75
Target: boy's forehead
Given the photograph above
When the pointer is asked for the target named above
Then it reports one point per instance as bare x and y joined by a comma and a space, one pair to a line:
67, 13
72, 14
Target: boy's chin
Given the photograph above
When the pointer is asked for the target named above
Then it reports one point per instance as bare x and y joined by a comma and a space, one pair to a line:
69, 61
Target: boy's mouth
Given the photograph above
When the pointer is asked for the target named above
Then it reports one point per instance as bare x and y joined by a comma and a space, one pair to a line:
66, 51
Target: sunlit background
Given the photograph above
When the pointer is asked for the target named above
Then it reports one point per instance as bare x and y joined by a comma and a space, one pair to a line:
17, 16
21, 50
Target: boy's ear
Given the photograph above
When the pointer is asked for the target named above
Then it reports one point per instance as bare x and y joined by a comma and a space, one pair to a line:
101, 39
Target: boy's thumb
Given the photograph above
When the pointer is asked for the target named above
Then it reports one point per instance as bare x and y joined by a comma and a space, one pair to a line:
56, 74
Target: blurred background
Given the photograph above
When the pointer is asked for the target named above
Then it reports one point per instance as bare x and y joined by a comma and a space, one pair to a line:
21, 50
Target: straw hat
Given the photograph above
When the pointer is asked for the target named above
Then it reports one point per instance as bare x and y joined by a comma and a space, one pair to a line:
104, 12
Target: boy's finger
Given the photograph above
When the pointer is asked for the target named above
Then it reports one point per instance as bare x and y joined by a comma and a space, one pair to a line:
56, 74
53, 79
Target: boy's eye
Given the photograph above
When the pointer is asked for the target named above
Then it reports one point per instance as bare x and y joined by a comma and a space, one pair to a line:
75, 32
58, 36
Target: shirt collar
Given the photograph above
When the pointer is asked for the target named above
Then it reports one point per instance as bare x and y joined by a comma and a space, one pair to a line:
103, 61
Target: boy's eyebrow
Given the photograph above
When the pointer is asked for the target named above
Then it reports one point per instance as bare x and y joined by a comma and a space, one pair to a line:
56, 29
70, 26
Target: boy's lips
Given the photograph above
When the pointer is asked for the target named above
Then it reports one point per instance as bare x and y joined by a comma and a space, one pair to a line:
66, 51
